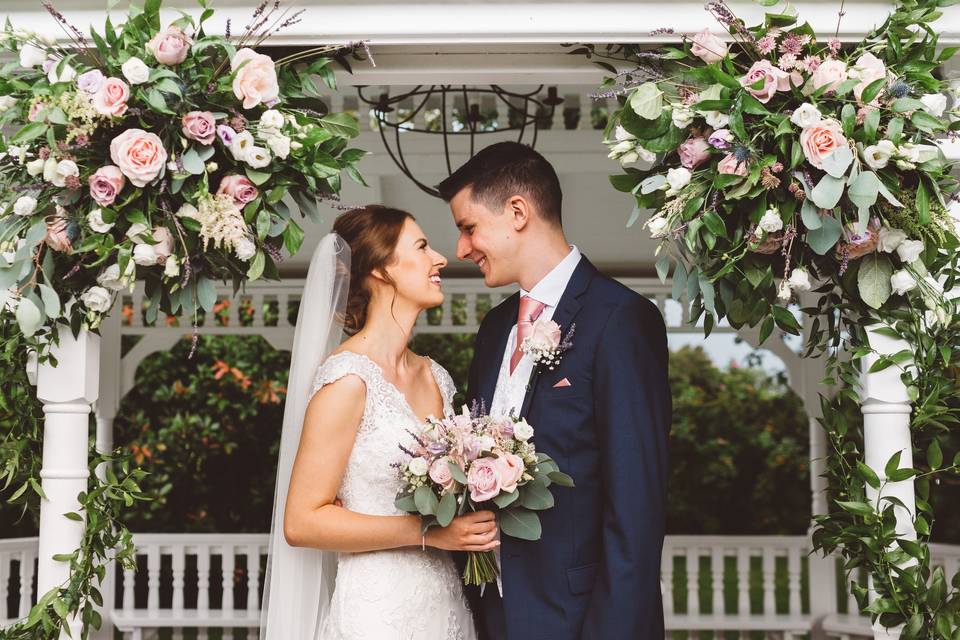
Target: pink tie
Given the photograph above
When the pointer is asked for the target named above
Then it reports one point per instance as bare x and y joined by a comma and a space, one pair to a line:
530, 310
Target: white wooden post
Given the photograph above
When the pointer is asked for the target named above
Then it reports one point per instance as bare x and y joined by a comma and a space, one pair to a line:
886, 429
67, 392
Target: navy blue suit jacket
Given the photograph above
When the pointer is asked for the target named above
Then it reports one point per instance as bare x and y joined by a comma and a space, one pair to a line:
595, 573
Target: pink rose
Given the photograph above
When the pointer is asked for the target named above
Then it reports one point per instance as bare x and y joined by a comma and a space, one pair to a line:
831, 73
139, 154
164, 244
57, 237
820, 140
545, 334
771, 79
170, 46
199, 126
256, 78
106, 184
694, 152
440, 473
869, 68
483, 479
708, 47
239, 188
730, 166
511, 469
111, 99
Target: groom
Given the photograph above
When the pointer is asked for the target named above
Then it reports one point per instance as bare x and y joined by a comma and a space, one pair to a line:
603, 413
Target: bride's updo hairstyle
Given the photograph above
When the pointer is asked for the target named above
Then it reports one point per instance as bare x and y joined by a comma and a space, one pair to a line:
372, 233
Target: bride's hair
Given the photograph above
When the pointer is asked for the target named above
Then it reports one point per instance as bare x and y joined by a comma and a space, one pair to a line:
372, 233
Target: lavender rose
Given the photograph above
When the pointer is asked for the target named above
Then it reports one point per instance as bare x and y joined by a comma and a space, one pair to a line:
106, 184
239, 188
694, 152
199, 126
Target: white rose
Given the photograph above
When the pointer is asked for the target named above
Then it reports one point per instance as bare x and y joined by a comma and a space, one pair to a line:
622, 134
902, 281
244, 248
677, 179
418, 467
97, 299
31, 56
806, 115
628, 158
96, 222
25, 205
909, 250
56, 173
682, 116
135, 71
918, 153
271, 119
257, 157
800, 279
65, 74
784, 292
934, 104
716, 119
771, 221
522, 431
187, 210
110, 277
878, 155
487, 443
135, 230
658, 227
280, 146
240, 145
145, 255
890, 239
35, 167
7, 103
172, 267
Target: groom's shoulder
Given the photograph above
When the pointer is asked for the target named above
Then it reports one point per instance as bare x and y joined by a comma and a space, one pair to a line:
610, 294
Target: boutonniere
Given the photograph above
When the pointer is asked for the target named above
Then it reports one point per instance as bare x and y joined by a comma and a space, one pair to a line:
545, 346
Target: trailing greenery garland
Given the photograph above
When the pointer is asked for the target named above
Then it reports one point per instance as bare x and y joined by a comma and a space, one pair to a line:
784, 167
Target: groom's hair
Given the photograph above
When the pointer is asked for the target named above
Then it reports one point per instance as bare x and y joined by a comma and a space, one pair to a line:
507, 169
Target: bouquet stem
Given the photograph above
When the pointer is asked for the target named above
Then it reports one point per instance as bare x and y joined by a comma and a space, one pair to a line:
481, 568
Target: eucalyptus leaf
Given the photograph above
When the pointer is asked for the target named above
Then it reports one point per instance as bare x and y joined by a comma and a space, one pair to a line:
652, 183
863, 189
810, 215
828, 192
837, 163
647, 101
824, 238
873, 279
520, 523
29, 316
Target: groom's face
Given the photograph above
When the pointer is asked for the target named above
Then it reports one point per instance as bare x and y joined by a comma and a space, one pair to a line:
486, 238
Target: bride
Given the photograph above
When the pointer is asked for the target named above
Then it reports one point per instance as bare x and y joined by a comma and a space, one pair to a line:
344, 563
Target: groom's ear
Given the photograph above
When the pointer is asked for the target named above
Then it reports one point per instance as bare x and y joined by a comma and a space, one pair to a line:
520, 211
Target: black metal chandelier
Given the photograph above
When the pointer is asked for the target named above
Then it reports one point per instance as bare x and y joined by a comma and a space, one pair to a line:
525, 111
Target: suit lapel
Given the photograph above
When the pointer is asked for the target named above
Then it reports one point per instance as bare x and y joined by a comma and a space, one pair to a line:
567, 309
493, 358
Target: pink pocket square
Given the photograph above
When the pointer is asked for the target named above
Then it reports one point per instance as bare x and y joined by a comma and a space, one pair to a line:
562, 383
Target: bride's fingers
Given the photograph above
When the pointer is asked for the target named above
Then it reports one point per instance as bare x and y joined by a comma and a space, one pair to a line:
490, 546
483, 527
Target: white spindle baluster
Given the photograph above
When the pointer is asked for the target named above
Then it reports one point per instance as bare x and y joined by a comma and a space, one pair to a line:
283, 310
446, 319
769, 571
153, 578
177, 633
26, 582
471, 300
253, 579
233, 317
852, 607
179, 568
666, 579
716, 578
203, 578
202, 633
229, 563
743, 581
793, 580
693, 581
129, 587
258, 310
586, 105
137, 307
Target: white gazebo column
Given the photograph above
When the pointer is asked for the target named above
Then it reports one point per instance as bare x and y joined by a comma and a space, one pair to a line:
886, 431
66, 392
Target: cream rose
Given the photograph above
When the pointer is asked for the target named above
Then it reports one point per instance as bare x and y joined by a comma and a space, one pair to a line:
890, 239
771, 221
678, 178
544, 335
97, 299
821, 140
56, 173
139, 154
902, 281
135, 71
831, 74
145, 255
806, 115
800, 279
868, 68
97, 223
255, 79
111, 99
522, 431
511, 468
910, 250
170, 46
418, 467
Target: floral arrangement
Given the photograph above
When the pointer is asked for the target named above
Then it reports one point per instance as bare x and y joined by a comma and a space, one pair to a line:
783, 159
474, 461
157, 152
545, 345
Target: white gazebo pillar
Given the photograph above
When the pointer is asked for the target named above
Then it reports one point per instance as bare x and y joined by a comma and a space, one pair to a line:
886, 430
66, 392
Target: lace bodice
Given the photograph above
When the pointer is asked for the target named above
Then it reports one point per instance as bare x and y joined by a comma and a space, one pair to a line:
398, 594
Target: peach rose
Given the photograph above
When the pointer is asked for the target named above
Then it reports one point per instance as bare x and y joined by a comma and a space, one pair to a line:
483, 479
831, 73
441, 474
139, 154
58, 236
511, 469
772, 78
106, 184
544, 334
730, 166
708, 47
199, 126
111, 99
170, 46
821, 140
239, 188
694, 152
256, 78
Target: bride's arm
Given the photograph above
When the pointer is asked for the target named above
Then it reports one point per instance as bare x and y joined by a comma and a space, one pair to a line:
311, 518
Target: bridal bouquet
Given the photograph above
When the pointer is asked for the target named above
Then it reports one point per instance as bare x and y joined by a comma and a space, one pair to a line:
159, 152
474, 461
780, 158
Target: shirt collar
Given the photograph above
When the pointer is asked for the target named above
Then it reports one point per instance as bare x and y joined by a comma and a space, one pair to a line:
551, 287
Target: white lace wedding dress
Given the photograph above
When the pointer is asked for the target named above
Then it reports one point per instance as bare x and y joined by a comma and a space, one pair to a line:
400, 594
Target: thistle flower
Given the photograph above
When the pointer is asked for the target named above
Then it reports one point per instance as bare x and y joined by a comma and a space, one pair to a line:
741, 153
899, 89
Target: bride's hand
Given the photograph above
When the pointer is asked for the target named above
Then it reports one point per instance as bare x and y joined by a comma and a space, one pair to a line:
470, 532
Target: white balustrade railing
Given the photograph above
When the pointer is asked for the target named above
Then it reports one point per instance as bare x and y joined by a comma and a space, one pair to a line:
711, 585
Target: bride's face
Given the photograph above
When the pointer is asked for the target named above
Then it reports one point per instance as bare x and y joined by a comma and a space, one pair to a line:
416, 268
